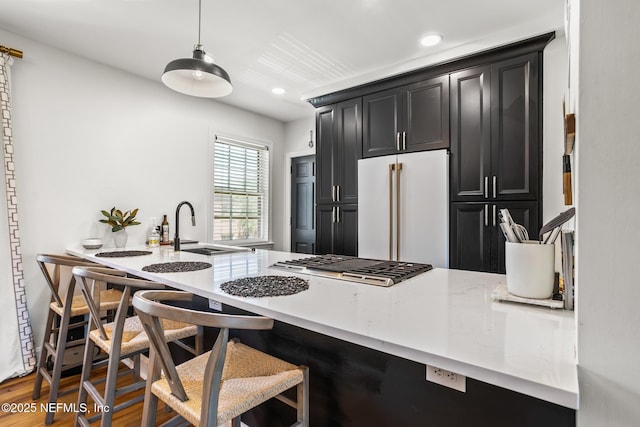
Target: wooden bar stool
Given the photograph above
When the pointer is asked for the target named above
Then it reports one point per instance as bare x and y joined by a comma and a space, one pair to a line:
61, 309
221, 384
124, 338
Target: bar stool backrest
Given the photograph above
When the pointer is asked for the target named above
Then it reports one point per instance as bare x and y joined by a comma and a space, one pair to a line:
150, 311
53, 277
89, 276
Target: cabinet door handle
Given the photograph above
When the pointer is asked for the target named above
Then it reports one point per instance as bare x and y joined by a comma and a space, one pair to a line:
486, 187
486, 215
333, 193
338, 193
494, 215
404, 141
397, 141
494, 186
333, 214
337, 213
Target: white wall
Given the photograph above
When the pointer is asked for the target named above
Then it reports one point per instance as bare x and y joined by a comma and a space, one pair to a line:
296, 137
89, 137
608, 240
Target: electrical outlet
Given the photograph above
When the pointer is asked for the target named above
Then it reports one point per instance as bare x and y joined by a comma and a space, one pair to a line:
215, 305
447, 378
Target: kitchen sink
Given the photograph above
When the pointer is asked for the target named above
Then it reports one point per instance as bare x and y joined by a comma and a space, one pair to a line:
211, 250
206, 251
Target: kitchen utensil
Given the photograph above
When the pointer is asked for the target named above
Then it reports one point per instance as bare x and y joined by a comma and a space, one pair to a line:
566, 179
569, 138
521, 232
509, 235
515, 235
553, 235
556, 222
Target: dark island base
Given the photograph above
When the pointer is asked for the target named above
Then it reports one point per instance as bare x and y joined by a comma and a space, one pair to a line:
351, 385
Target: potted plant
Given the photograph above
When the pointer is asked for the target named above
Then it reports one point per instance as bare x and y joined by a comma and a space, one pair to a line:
118, 222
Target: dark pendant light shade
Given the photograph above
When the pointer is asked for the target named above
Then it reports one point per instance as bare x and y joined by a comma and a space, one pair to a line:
196, 76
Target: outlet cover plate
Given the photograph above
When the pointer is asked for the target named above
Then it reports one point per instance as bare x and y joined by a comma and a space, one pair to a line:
447, 378
215, 305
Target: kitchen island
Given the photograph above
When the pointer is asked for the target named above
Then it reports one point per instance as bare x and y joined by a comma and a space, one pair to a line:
513, 356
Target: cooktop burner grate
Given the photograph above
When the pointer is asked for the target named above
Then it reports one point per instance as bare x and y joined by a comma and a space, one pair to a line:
378, 272
394, 270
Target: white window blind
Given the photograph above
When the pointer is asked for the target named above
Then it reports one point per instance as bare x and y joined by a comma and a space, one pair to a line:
241, 190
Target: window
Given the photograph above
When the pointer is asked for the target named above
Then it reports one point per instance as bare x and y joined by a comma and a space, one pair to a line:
240, 190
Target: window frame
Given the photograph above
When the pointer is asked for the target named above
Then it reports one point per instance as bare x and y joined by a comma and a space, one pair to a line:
266, 238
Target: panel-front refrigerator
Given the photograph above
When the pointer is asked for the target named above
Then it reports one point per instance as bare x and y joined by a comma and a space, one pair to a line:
403, 207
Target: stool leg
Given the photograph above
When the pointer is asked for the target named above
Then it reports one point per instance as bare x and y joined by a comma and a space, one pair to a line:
199, 341
302, 400
87, 366
58, 360
110, 385
44, 354
150, 407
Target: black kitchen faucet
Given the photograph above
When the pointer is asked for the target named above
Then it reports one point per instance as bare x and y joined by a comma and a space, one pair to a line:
176, 239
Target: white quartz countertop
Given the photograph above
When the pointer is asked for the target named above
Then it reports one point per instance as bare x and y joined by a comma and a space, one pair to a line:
444, 318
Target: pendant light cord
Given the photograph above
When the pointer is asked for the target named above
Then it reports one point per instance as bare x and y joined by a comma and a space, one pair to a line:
199, 19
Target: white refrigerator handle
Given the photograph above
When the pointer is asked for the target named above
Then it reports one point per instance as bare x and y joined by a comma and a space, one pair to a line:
398, 181
392, 168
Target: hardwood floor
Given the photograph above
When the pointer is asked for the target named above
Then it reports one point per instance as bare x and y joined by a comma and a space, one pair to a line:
18, 391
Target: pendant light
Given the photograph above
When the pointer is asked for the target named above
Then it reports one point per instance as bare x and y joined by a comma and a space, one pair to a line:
196, 76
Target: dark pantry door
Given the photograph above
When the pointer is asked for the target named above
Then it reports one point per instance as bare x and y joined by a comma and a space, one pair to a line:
303, 181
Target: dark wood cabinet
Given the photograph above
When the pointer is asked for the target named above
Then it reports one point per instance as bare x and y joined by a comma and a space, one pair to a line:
381, 123
409, 118
339, 145
495, 131
337, 229
495, 158
326, 150
470, 160
486, 108
477, 240
516, 145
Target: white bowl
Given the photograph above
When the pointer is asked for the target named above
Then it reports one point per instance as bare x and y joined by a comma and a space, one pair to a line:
94, 243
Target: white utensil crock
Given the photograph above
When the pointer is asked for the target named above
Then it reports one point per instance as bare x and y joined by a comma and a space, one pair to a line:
530, 268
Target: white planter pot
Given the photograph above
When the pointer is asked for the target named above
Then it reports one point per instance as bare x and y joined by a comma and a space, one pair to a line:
120, 238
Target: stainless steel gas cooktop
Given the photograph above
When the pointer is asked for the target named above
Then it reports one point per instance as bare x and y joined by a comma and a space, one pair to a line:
363, 270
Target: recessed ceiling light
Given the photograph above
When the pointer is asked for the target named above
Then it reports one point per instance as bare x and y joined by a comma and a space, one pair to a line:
431, 40
278, 91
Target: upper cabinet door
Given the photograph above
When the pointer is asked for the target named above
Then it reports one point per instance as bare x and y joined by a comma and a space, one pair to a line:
325, 153
426, 115
349, 141
409, 118
470, 135
381, 120
515, 139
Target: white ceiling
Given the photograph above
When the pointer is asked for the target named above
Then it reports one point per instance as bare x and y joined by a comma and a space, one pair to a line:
308, 47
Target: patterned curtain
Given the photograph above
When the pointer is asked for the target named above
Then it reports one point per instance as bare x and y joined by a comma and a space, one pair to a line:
17, 352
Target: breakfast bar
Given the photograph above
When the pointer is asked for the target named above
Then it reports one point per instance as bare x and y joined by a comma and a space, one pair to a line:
514, 357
